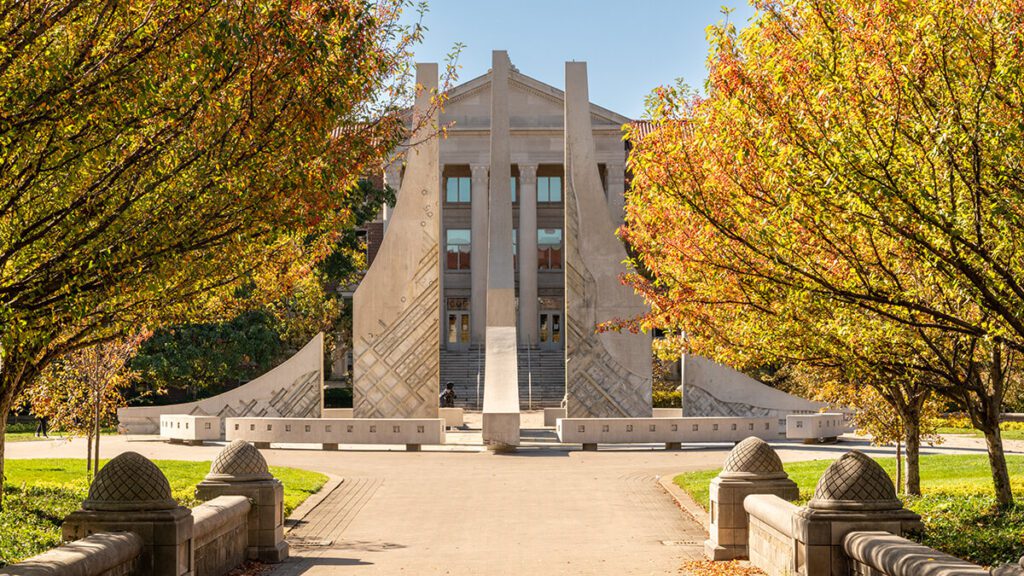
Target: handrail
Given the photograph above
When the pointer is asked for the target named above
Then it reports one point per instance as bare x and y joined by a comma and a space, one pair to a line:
529, 377
479, 361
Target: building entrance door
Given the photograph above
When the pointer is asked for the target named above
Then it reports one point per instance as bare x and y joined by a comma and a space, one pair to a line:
458, 331
550, 329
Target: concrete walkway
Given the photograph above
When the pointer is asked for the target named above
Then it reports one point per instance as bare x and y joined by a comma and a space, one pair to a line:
547, 509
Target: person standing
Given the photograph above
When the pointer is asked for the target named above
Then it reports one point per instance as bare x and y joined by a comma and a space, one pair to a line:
448, 396
42, 426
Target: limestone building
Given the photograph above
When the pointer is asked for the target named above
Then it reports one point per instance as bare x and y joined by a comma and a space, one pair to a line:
538, 182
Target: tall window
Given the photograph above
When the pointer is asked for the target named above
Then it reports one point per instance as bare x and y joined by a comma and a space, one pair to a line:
549, 249
549, 189
458, 247
515, 248
457, 189
512, 187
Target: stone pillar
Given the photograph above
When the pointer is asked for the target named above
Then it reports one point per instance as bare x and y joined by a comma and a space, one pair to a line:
854, 494
616, 177
393, 178
608, 374
501, 378
528, 254
130, 494
478, 257
240, 470
752, 467
396, 325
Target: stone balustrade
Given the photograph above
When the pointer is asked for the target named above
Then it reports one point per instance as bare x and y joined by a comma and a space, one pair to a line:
129, 525
813, 428
189, 428
331, 432
884, 554
770, 544
220, 534
106, 554
672, 432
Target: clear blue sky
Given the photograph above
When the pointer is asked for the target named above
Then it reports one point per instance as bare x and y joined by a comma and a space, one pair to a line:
630, 46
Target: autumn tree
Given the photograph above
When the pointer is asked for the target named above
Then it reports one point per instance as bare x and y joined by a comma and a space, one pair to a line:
156, 155
859, 160
81, 391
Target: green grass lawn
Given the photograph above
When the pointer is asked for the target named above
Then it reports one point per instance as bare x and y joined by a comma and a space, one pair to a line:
957, 505
1006, 434
40, 493
26, 432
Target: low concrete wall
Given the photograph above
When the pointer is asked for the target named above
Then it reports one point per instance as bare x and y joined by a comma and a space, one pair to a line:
885, 554
671, 431
338, 413
453, 417
292, 389
220, 534
189, 428
770, 545
551, 416
815, 427
102, 554
331, 432
667, 413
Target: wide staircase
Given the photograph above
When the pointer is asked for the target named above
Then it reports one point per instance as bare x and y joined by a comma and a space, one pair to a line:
541, 377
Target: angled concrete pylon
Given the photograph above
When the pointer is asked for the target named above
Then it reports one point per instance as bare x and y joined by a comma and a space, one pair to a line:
396, 331
501, 380
607, 375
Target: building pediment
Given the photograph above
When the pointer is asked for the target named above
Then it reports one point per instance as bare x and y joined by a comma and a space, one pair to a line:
532, 103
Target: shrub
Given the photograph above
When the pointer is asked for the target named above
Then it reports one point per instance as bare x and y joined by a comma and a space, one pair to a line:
667, 399
337, 398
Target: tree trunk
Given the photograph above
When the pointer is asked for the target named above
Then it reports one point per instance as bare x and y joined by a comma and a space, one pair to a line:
912, 429
96, 433
88, 455
899, 465
3, 442
997, 461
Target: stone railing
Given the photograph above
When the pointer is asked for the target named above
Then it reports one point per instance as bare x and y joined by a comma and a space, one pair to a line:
129, 525
771, 545
107, 554
854, 525
884, 554
220, 534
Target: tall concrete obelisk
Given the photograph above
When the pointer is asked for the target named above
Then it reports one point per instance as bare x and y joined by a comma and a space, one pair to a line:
607, 375
396, 333
501, 380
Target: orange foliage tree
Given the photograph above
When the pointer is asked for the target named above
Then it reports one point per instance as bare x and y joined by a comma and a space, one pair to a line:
160, 157
847, 195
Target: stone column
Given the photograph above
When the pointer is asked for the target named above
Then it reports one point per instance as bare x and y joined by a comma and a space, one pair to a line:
752, 467
501, 379
616, 175
607, 375
396, 318
478, 257
528, 254
130, 494
240, 470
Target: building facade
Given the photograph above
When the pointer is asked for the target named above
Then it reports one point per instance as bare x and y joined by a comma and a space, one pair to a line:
538, 184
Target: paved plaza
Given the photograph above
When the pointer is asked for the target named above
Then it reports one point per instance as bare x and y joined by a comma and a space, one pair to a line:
458, 509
